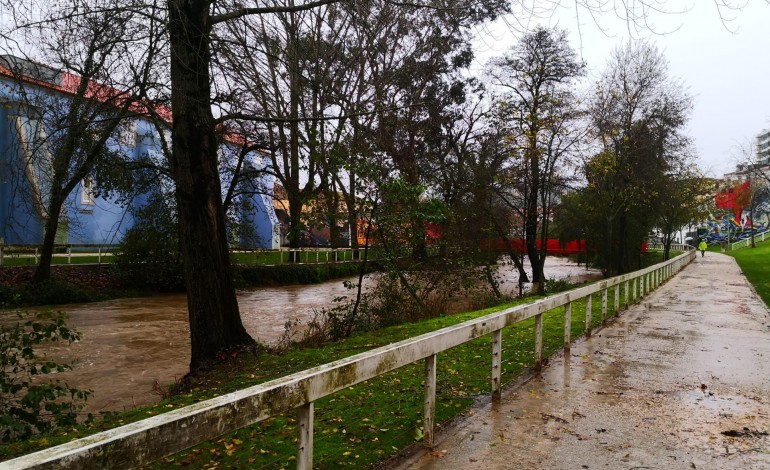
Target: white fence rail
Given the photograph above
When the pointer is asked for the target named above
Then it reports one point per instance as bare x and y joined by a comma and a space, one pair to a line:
674, 246
145, 441
103, 252
32, 252
746, 242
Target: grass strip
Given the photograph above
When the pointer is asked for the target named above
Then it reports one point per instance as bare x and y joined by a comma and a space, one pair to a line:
364, 424
753, 263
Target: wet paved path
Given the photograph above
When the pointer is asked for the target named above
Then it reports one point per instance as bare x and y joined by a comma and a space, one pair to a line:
679, 381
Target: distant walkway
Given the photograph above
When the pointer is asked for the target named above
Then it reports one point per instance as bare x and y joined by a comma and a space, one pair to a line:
679, 381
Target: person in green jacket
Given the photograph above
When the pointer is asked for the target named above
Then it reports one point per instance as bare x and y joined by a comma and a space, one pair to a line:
702, 247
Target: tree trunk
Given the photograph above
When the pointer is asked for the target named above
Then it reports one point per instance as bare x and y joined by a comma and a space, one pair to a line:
295, 226
215, 322
515, 258
530, 238
43, 270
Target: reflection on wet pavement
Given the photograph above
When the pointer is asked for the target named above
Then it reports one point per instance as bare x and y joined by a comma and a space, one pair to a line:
680, 381
129, 345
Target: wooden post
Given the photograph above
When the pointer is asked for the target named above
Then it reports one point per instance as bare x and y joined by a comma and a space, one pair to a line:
69, 255
538, 341
100, 255
567, 326
1, 255
429, 414
497, 363
305, 446
589, 316
625, 289
617, 298
604, 306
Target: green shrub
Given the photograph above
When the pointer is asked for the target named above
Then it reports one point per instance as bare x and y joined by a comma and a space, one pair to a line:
50, 292
149, 254
286, 274
29, 404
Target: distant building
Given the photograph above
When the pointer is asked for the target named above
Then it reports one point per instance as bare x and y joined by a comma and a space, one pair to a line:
763, 147
27, 142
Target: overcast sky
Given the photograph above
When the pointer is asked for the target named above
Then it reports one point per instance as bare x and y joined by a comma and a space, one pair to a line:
724, 66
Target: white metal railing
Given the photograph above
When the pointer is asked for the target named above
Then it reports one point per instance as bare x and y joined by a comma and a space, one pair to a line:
674, 246
145, 441
306, 255
322, 254
760, 237
33, 252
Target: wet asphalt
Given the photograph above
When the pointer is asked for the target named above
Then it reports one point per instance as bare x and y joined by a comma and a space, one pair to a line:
681, 380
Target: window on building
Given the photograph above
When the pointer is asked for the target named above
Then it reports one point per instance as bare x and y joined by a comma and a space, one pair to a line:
87, 189
127, 133
38, 164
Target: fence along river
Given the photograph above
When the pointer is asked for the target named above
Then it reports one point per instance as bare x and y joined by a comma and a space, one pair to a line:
147, 440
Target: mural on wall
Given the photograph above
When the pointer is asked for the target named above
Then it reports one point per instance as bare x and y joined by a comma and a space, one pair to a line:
732, 220
31, 95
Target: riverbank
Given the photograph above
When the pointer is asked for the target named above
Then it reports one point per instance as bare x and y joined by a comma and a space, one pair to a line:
358, 427
92, 283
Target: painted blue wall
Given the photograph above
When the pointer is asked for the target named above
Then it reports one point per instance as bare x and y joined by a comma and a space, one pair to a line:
107, 220
257, 209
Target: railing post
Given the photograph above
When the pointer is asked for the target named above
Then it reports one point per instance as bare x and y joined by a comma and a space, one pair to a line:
305, 447
625, 290
636, 289
617, 298
36, 253
497, 363
100, 255
69, 255
567, 325
604, 306
429, 414
1, 255
316, 254
538, 341
589, 316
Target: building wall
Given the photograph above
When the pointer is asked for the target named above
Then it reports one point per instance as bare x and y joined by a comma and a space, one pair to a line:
89, 220
763, 146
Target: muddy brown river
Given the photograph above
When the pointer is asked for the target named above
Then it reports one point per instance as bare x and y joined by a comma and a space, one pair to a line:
129, 345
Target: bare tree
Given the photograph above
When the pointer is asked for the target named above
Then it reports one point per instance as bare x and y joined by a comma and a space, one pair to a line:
541, 115
74, 105
638, 113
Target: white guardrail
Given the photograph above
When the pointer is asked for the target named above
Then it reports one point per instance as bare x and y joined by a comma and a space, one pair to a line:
760, 237
33, 252
145, 441
304, 255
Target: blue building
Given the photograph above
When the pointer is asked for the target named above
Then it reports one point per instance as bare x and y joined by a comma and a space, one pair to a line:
28, 92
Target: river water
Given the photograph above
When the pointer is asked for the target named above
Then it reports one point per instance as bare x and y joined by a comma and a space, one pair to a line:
129, 345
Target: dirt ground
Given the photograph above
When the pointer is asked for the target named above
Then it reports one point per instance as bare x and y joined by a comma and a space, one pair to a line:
679, 381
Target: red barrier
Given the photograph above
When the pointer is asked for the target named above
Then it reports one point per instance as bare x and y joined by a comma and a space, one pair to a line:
553, 246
